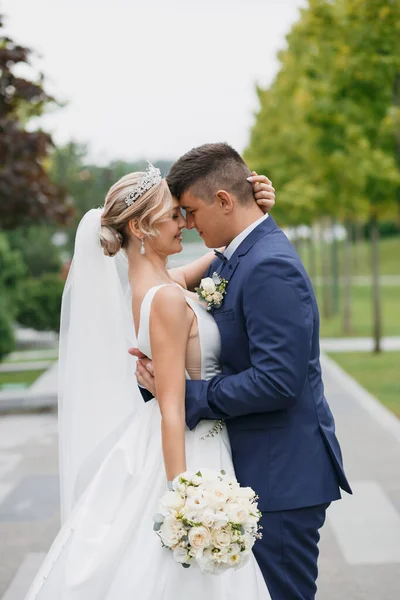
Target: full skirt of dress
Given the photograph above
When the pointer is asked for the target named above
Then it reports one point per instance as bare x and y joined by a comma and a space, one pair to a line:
107, 549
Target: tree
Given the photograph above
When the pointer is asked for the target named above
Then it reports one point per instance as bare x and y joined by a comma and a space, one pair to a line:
12, 271
328, 127
41, 302
26, 192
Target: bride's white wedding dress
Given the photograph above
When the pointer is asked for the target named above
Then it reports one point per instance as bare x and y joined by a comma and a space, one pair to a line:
107, 549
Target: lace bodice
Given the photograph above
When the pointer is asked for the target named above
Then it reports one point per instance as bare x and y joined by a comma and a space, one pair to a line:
203, 349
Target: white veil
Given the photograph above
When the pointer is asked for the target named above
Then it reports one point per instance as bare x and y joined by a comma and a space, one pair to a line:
97, 386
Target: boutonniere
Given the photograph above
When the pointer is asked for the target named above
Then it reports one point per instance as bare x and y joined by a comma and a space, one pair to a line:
212, 290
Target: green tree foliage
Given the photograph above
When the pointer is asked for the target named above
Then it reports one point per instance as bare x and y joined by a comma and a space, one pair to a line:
36, 248
12, 271
7, 340
26, 192
41, 302
328, 128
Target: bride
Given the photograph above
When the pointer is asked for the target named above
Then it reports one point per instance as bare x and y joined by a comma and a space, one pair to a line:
114, 464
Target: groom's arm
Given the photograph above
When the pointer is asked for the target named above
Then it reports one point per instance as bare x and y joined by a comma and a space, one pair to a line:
279, 323
146, 395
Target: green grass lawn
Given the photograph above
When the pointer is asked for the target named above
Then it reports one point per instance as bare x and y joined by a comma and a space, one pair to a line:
22, 377
379, 374
389, 253
9, 361
362, 313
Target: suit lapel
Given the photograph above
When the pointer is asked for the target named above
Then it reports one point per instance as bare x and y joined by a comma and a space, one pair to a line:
264, 228
229, 268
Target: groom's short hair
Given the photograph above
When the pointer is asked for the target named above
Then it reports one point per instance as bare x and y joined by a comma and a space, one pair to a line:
209, 168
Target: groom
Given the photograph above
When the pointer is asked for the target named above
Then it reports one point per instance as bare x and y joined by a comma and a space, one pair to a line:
270, 392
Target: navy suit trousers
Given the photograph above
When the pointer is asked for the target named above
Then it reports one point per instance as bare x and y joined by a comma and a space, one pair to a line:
288, 551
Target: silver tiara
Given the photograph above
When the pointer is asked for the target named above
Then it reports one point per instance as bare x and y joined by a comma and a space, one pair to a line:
151, 177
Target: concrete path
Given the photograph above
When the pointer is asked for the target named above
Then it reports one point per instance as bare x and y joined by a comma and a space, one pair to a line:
363, 344
360, 544
20, 367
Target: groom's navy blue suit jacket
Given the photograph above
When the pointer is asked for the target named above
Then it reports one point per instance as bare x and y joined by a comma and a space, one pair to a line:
270, 392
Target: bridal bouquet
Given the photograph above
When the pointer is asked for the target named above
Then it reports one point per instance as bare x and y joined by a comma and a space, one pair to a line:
208, 520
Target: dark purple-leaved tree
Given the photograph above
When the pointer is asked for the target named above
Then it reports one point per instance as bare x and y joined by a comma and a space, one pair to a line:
27, 195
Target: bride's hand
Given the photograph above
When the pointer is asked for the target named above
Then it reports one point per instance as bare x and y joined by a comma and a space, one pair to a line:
264, 193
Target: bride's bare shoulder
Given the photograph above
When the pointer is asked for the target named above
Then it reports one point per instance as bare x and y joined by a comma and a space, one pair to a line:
169, 299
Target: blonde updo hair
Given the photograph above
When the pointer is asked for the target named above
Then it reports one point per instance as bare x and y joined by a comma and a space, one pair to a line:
149, 209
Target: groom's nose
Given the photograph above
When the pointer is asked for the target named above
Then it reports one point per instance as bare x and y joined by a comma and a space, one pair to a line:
189, 221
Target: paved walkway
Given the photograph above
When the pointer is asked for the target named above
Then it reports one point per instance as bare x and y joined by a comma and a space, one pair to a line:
360, 545
363, 344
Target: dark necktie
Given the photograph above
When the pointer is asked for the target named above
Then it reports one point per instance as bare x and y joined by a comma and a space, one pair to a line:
221, 256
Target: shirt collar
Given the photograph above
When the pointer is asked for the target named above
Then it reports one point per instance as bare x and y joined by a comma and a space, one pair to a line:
235, 243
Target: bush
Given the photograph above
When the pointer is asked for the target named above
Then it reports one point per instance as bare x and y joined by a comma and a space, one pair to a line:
7, 340
41, 302
12, 272
37, 249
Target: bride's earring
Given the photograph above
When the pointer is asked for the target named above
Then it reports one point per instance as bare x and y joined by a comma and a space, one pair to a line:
142, 249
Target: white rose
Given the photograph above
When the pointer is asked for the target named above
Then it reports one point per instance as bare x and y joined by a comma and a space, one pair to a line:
199, 537
237, 513
219, 494
208, 285
170, 531
172, 501
196, 502
180, 555
222, 519
221, 538
209, 517
218, 297
245, 492
191, 490
196, 479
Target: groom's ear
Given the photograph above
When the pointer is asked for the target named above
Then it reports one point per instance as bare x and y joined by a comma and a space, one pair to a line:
225, 200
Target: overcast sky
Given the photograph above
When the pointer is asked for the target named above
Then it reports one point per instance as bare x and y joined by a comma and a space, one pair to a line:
152, 78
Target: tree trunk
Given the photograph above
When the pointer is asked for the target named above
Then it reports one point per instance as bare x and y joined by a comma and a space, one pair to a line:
325, 277
312, 257
347, 279
358, 237
396, 103
376, 295
335, 271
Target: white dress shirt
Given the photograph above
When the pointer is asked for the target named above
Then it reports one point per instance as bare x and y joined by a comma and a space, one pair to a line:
235, 243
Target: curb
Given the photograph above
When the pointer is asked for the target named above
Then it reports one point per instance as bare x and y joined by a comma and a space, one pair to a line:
367, 401
18, 402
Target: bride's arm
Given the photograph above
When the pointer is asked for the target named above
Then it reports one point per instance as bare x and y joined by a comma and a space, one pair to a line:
170, 322
189, 276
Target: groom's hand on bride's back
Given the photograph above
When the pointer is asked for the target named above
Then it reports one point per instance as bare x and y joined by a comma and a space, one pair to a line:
264, 192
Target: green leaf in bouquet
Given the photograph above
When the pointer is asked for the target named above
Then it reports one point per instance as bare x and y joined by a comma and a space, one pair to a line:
185, 565
199, 474
157, 526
